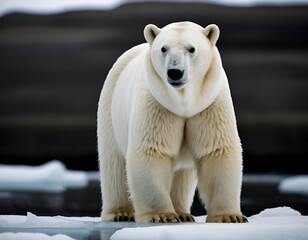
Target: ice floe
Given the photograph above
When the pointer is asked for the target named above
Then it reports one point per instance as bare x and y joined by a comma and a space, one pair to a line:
50, 177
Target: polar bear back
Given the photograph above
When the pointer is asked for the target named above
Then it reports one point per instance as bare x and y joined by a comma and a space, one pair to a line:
130, 80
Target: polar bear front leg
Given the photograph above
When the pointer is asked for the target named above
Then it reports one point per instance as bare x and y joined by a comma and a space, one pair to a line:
219, 184
150, 178
182, 193
155, 137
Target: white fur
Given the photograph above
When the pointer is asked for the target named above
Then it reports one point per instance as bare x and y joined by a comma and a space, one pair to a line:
156, 141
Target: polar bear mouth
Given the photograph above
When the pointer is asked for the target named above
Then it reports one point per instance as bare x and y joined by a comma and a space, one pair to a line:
176, 84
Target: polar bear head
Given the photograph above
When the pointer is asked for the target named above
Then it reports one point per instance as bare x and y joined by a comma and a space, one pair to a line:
181, 57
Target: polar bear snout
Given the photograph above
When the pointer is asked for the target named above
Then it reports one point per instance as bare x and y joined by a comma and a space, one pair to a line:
175, 74
175, 77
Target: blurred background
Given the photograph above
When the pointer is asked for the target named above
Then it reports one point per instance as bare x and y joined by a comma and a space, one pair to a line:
53, 62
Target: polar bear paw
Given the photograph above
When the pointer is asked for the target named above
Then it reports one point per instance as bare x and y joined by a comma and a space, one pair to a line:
119, 216
159, 218
186, 217
233, 218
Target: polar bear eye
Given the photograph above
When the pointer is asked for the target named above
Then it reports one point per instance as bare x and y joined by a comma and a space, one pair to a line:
163, 50
191, 50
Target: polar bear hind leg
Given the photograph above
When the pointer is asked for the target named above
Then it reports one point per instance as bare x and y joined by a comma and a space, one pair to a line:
116, 203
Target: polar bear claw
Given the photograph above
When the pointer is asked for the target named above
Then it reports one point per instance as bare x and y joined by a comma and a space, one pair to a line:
159, 218
228, 219
121, 215
186, 217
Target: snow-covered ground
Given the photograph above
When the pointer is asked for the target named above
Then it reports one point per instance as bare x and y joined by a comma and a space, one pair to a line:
58, 6
276, 223
270, 224
50, 177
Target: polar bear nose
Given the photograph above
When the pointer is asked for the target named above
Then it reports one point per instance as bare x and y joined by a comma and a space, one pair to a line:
175, 74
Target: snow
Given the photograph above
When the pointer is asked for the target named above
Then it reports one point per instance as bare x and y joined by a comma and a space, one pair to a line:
32, 236
58, 6
50, 177
296, 184
278, 223
270, 224
278, 212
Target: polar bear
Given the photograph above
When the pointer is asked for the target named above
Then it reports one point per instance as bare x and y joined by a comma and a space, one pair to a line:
166, 125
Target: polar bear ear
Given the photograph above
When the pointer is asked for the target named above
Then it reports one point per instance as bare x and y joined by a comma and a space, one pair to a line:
150, 32
212, 33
